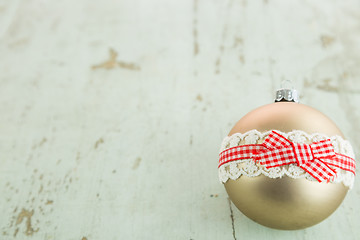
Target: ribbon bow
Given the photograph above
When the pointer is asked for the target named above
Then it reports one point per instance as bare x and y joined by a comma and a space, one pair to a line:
313, 158
316, 158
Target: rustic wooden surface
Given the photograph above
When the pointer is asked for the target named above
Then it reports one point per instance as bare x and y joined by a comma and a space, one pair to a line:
112, 112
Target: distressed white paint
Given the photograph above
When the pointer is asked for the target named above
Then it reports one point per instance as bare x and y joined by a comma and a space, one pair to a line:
130, 151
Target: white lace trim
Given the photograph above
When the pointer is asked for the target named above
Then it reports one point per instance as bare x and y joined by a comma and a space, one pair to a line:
248, 167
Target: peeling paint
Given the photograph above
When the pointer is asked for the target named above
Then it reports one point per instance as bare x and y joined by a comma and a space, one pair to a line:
41, 189
112, 63
136, 163
223, 38
238, 41
44, 140
26, 214
326, 40
129, 66
242, 59
16, 232
98, 143
78, 156
329, 85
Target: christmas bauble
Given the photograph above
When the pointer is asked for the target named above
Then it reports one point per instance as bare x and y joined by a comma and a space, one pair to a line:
286, 165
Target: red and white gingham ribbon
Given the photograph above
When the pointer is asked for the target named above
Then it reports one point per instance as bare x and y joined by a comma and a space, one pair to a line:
316, 158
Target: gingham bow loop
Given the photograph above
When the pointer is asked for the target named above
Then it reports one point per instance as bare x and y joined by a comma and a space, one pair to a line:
313, 158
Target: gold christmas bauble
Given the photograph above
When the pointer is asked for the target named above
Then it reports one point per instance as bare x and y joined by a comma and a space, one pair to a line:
285, 202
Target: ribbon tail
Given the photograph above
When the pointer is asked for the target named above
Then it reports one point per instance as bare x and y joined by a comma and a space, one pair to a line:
341, 161
319, 170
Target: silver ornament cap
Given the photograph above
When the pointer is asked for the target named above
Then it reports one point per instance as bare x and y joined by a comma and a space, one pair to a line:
287, 94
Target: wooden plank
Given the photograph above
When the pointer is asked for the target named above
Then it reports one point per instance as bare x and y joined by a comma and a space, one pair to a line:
112, 112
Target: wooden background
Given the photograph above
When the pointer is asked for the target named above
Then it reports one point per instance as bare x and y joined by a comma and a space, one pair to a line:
112, 112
